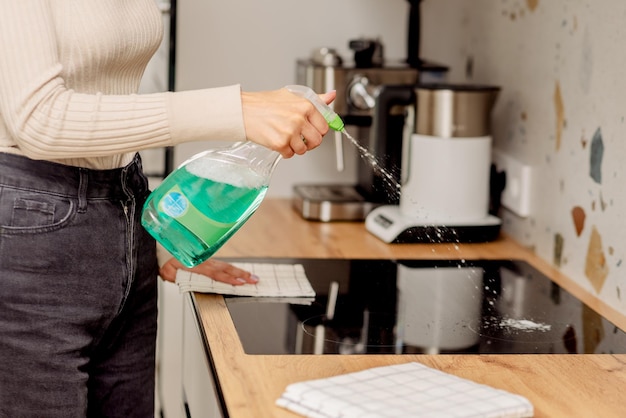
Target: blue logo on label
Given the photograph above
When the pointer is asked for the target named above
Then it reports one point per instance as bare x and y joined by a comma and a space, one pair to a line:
174, 204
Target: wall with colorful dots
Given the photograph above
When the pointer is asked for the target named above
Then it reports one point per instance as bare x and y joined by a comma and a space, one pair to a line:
561, 66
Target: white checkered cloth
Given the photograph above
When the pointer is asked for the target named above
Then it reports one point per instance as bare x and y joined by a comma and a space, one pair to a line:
276, 280
404, 390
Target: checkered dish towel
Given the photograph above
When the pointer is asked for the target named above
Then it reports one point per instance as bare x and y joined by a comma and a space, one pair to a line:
403, 390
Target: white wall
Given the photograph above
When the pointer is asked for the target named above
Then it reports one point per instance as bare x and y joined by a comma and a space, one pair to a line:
256, 44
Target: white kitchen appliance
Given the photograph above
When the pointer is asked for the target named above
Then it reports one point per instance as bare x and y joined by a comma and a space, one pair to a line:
446, 165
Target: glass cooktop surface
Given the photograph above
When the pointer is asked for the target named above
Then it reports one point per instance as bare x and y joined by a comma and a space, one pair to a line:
422, 307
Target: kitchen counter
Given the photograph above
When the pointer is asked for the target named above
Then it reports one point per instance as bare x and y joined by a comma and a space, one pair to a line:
572, 385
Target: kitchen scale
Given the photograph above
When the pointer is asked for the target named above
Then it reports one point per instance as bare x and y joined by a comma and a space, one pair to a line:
391, 225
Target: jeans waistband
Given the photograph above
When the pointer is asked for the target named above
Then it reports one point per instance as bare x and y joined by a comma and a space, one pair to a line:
50, 177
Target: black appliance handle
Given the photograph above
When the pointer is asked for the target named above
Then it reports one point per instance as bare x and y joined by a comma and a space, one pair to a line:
414, 34
388, 96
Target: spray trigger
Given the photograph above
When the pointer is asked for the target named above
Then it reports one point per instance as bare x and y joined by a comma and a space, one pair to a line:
333, 119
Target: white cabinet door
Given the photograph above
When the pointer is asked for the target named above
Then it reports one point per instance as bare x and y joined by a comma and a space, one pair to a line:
169, 352
198, 386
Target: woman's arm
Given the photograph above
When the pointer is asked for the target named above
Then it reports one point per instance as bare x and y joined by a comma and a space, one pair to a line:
66, 85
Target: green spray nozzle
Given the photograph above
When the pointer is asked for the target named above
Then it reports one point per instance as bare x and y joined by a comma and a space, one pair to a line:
333, 119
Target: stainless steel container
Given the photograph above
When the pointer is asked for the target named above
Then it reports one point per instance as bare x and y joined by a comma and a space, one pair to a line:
454, 111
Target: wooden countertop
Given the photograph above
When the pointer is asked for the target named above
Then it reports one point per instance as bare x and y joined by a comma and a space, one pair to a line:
557, 385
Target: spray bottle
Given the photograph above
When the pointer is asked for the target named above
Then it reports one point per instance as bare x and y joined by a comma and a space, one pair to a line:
204, 201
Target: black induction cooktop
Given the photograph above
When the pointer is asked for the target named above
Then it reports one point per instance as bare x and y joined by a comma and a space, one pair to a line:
423, 307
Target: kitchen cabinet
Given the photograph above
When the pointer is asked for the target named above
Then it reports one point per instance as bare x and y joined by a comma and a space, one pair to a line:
170, 403
199, 392
248, 385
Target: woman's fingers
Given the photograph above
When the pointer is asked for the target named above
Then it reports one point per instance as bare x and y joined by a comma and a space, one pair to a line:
213, 269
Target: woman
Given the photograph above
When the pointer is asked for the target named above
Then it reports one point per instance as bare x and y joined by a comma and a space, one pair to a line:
78, 273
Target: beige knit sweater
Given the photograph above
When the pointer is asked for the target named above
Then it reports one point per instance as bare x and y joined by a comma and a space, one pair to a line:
69, 73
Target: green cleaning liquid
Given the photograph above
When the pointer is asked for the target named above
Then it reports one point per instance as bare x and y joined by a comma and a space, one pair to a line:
201, 205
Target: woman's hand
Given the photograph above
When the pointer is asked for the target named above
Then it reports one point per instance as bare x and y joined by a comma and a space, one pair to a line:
214, 269
283, 121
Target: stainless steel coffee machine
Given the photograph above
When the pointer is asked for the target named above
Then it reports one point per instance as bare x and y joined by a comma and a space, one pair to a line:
446, 165
357, 84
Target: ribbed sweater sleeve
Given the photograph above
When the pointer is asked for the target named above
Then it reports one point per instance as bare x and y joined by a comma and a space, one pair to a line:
69, 73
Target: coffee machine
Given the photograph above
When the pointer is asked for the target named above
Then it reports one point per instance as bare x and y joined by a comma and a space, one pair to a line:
446, 165
357, 83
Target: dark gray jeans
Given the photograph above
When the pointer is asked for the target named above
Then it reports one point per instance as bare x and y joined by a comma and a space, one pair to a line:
78, 299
